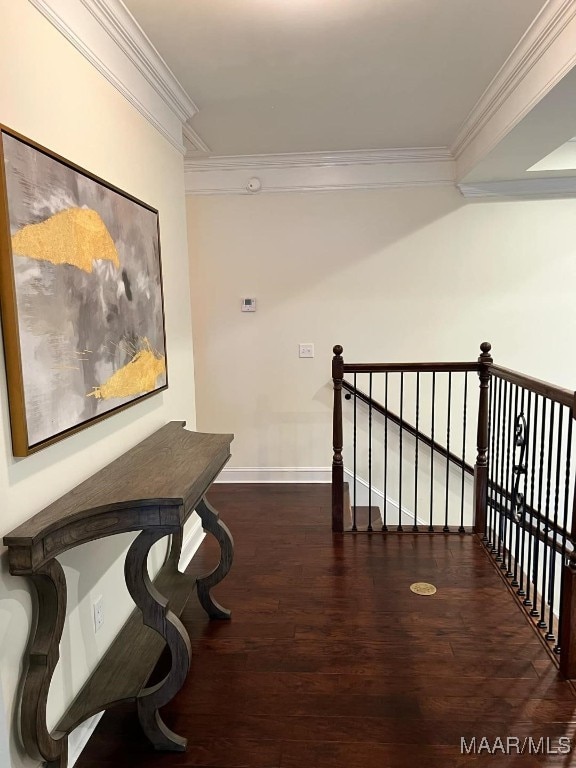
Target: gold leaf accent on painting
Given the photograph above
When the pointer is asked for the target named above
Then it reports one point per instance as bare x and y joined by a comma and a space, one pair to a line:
76, 236
135, 378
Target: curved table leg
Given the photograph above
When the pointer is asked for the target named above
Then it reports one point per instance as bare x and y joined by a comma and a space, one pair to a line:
216, 527
50, 584
155, 614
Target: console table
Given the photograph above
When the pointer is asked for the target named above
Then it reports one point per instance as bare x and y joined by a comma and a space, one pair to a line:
153, 488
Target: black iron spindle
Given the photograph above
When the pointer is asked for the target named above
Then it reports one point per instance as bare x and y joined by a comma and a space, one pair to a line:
415, 525
541, 622
520, 471
497, 430
370, 455
507, 485
501, 498
493, 427
546, 551
446, 529
567, 496
525, 569
552, 580
511, 520
385, 489
430, 524
461, 528
533, 551
354, 528
399, 528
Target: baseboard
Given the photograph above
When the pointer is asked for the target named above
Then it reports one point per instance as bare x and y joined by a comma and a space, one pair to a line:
192, 541
275, 475
79, 737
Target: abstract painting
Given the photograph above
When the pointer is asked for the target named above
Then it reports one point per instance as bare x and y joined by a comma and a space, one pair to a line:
81, 293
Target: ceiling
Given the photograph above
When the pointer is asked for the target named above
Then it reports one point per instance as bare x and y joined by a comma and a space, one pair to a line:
293, 76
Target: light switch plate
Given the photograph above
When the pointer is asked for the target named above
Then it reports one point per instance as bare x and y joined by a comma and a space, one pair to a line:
306, 350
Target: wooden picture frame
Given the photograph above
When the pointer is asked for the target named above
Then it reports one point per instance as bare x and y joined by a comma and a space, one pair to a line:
81, 295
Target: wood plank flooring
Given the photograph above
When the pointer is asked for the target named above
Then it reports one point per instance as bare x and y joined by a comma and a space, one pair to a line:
331, 662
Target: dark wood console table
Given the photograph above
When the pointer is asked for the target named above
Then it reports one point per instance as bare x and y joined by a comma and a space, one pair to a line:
153, 488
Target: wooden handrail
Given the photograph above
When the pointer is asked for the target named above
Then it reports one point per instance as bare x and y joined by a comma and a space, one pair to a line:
544, 388
410, 367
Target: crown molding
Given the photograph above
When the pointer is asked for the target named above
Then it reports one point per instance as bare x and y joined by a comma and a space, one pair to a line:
108, 36
197, 144
534, 189
319, 171
548, 24
222, 189
257, 163
129, 36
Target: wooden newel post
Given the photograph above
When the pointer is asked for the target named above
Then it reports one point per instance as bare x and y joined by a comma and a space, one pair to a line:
567, 629
481, 466
337, 440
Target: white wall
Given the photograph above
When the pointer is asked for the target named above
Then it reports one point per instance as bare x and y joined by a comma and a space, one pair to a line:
398, 274
50, 93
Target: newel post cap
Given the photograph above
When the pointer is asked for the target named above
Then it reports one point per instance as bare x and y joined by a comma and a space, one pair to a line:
485, 356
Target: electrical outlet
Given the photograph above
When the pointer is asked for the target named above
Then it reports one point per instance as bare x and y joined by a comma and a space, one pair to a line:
306, 350
98, 608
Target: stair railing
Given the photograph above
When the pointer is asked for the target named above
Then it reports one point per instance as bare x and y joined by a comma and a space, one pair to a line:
435, 396
518, 498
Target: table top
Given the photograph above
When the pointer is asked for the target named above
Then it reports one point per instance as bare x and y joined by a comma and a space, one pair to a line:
171, 467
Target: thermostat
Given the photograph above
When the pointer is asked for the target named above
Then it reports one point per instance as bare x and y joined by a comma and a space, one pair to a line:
248, 305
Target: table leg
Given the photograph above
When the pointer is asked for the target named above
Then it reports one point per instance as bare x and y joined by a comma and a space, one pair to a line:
44, 651
212, 524
156, 614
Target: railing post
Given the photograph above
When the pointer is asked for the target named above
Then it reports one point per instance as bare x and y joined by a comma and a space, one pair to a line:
337, 441
481, 466
567, 629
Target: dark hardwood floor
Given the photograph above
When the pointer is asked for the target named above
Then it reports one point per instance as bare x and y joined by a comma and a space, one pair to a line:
331, 662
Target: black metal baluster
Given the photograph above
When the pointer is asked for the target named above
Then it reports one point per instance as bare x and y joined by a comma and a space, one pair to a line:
399, 528
506, 485
430, 525
521, 529
533, 551
501, 504
510, 480
545, 553
552, 580
385, 515
446, 529
354, 528
370, 455
492, 476
498, 426
541, 622
567, 497
485, 535
461, 528
415, 525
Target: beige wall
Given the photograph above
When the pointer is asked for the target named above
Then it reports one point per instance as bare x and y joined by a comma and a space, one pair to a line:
404, 274
50, 93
